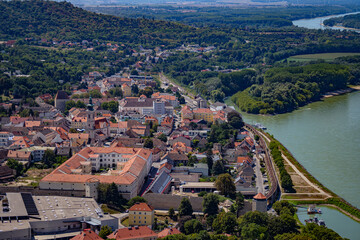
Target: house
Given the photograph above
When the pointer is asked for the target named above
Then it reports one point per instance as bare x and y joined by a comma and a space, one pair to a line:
167, 97
243, 160
146, 105
246, 172
133, 233
87, 234
175, 158
46, 135
118, 128
160, 184
22, 156
203, 113
141, 214
167, 232
6, 138
180, 138
37, 152
126, 89
6, 174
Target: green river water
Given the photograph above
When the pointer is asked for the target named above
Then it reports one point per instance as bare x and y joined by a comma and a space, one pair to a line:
324, 137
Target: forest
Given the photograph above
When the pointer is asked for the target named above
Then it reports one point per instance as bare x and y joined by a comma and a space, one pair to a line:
287, 88
229, 17
241, 58
349, 21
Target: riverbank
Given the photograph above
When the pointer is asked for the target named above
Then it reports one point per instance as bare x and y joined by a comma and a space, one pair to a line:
329, 198
342, 91
342, 27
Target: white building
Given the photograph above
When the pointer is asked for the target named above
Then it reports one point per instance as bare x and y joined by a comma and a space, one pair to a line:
24, 216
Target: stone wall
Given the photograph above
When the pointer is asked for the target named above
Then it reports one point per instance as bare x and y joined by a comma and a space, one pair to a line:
167, 201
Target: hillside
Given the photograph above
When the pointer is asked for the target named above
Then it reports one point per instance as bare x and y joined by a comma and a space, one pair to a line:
63, 21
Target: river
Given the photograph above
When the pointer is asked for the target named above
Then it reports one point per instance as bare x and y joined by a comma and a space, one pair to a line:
316, 23
324, 137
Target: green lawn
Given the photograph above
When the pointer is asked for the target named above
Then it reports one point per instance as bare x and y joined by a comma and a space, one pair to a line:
321, 56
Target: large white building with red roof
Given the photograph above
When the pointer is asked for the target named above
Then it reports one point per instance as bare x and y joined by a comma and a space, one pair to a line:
128, 168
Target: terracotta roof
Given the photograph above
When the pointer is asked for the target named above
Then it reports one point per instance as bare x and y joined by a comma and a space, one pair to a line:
167, 232
130, 172
19, 154
132, 233
141, 207
203, 110
260, 196
241, 159
87, 234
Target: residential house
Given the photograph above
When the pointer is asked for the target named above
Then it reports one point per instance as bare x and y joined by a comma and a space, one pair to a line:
22, 156
6, 138
168, 231
126, 89
6, 174
167, 97
176, 158
141, 214
133, 233
87, 234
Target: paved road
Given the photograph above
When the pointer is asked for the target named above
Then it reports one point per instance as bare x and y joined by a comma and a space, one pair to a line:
165, 82
259, 177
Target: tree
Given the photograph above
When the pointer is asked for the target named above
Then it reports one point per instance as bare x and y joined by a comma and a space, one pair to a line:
225, 223
210, 204
280, 205
225, 184
171, 213
148, 143
239, 203
162, 137
49, 158
235, 120
192, 226
105, 231
185, 208
15, 165
209, 160
136, 199
218, 168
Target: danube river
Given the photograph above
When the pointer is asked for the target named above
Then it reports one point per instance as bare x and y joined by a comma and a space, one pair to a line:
324, 137
316, 23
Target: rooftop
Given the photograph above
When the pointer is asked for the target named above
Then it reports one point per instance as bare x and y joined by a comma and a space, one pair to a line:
141, 207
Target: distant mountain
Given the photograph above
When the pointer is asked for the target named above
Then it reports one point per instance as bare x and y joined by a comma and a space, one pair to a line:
63, 21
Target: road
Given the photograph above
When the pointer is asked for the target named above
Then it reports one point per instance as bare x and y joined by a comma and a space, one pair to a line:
189, 97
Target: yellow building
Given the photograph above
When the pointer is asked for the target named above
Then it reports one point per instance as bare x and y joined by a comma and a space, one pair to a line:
141, 214
126, 89
203, 113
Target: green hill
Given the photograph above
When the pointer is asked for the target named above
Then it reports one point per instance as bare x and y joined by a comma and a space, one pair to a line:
63, 21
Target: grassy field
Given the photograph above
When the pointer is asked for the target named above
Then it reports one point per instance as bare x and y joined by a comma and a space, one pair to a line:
320, 56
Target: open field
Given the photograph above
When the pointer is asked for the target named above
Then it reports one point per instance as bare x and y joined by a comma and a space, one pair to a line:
320, 56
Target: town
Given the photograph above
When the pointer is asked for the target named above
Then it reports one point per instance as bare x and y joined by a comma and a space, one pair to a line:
86, 162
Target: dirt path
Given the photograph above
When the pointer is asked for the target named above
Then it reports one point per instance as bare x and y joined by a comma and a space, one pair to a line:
305, 178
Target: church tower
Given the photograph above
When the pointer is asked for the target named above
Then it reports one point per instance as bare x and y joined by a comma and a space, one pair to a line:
90, 122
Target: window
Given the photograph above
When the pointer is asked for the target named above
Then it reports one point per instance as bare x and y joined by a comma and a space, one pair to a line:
139, 217
139, 221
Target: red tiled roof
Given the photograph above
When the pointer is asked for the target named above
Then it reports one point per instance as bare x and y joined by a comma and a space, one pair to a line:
131, 233
168, 232
141, 207
260, 196
87, 234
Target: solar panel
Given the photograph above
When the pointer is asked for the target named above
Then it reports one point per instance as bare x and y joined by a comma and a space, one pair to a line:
29, 204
